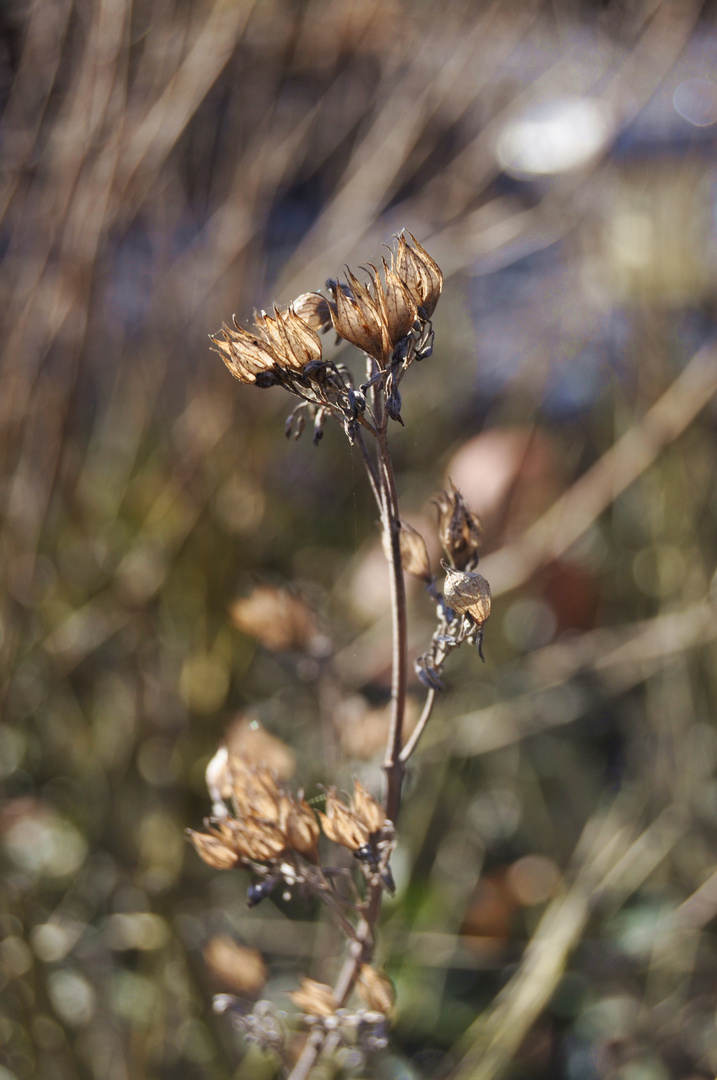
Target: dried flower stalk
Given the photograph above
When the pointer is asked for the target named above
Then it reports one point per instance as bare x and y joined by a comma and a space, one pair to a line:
257, 822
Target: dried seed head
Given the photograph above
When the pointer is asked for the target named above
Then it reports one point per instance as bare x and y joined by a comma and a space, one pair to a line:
277, 618
341, 825
467, 593
421, 275
300, 827
459, 529
414, 554
293, 342
247, 356
314, 998
255, 790
376, 990
214, 851
313, 309
357, 319
369, 812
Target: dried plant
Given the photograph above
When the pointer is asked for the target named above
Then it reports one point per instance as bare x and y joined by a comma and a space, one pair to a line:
257, 822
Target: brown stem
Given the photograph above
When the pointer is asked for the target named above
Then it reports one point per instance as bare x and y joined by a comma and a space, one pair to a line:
393, 767
423, 719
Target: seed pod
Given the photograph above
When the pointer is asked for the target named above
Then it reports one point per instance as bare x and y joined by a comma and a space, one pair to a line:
467, 593
414, 555
213, 850
420, 274
313, 309
369, 812
459, 529
376, 989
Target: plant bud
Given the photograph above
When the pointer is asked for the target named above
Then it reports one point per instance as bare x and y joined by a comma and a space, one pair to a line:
414, 555
467, 593
376, 989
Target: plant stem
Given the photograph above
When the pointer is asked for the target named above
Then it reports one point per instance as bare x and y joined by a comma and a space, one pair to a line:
392, 765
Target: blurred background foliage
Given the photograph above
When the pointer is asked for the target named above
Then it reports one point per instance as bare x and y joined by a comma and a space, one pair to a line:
165, 164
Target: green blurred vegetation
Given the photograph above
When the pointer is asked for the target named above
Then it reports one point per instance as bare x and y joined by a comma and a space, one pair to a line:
167, 164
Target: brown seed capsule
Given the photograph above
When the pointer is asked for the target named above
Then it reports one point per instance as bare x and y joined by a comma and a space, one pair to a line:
421, 274
459, 529
244, 353
357, 318
376, 989
369, 812
313, 309
314, 998
214, 851
467, 593
300, 827
414, 554
341, 825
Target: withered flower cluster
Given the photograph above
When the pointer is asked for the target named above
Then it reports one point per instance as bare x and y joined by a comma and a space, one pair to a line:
388, 318
256, 823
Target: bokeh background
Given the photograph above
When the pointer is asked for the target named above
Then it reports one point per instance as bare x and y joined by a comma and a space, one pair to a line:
165, 164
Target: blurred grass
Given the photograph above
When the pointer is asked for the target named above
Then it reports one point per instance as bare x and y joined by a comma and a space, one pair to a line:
164, 165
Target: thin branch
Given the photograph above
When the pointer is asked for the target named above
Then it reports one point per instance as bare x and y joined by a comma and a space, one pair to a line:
412, 741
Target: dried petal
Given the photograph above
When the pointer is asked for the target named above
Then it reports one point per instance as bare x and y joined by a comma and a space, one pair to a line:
467, 593
376, 989
314, 998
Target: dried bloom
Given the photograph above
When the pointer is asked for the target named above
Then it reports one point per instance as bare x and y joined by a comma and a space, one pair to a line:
314, 998
341, 825
299, 825
234, 966
294, 343
420, 274
358, 319
279, 343
414, 554
355, 824
249, 358
313, 309
394, 304
255, 790
276, 618
214, 851
460, 530
376, 990
366, 809
467, 593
